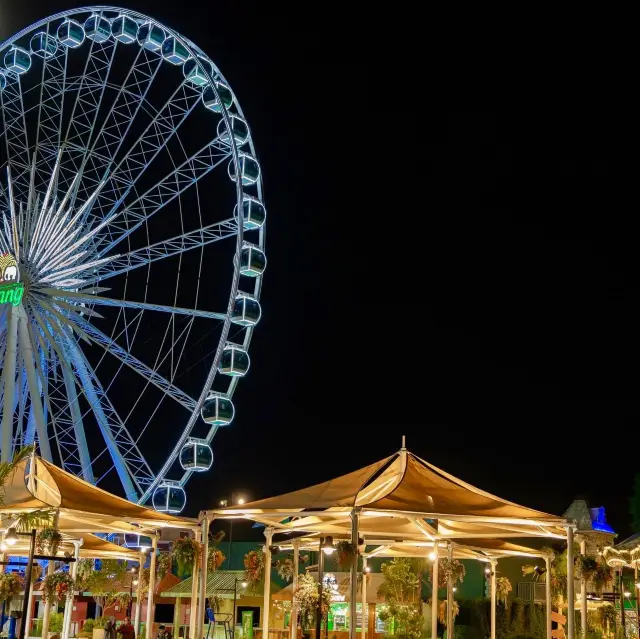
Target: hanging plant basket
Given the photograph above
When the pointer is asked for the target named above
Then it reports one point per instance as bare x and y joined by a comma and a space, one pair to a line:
57, 587
254, 566
163, 564
10, 586
602, 577
442, 611
185, 552
450, 568
47, 541
285, 569
345, 552
503, 588
216, 559
586, 567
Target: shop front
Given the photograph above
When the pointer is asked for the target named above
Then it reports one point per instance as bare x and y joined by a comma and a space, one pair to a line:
338, 622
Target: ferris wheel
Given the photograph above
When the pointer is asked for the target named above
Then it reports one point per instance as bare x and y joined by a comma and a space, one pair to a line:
131, 250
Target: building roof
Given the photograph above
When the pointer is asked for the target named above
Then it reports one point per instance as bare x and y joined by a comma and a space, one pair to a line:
220, 583
589, 519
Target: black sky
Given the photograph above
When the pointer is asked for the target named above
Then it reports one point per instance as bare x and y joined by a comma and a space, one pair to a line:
458, 266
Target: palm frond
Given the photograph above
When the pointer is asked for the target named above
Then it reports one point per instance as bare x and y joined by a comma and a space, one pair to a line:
38, 519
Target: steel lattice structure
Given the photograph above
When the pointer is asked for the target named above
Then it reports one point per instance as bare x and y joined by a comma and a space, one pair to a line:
131, 249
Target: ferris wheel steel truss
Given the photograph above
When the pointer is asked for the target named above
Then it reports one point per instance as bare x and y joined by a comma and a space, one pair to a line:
70, 205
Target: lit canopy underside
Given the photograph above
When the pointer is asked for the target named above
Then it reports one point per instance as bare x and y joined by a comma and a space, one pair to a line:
401, 497
82, 507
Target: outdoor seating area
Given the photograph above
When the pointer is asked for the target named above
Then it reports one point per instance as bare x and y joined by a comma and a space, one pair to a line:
390, 514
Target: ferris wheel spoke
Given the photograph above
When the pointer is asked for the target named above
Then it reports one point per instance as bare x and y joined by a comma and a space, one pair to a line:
129, 218
131, 97
109, 301
15, 132
177, 245
50, 110
27, 349
128, 461
164, 125
113, 348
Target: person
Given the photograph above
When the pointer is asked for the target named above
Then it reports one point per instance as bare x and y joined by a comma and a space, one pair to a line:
110, 628
127, 629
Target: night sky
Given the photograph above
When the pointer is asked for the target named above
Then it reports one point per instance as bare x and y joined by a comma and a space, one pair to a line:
456, 265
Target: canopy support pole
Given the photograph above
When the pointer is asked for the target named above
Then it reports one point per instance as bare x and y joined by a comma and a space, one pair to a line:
176, 619
293, 622
193, 615
364, 623
547, 592
68, 606
494, 596
202, 600
583, 592
51, 568
450, 595
571, 597
320, 580
635, 583
434, 593
268, 533
152, 586
136, 624
353, 603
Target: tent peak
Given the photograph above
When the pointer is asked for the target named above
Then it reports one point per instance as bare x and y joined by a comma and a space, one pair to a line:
404, 443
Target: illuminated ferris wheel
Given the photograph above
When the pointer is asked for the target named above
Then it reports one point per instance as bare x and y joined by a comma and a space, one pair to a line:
131, 250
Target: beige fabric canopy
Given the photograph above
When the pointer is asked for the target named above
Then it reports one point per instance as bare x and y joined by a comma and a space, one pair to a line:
401, 497
92, 548
82, 508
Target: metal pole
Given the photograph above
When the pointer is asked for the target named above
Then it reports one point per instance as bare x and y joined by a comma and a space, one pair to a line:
635, 587
268, 533
68, 604
494, 597
353, 603
571, 597
152, 587
136, 624
202, 602
193, 617
365, 617
293, 623
27, 587
547, 592
583, 592
320, 579
450, 597
434, 593
51, 568
235, 595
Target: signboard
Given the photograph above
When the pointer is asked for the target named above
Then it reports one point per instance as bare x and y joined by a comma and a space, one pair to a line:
11, 289
247, 624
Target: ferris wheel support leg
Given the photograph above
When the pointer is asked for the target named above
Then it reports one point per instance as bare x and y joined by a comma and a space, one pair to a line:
89, 388
9, 379
26, 348
78, 426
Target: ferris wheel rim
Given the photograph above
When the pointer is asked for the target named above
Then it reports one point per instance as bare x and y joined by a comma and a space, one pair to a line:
194, 51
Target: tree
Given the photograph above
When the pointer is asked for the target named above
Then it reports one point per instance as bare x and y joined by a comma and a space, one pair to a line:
400, 589
634, 505
107, 585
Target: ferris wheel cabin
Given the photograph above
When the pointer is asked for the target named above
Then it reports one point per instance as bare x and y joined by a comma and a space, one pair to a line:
71, 34
210, 99
124, 29
17, 60
169, 497
97, 28
196, 455
235, 361
217, 410
151, 36
43, 45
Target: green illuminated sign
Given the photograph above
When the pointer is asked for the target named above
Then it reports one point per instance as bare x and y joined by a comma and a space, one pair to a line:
247, 624
11, 293
11, 289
